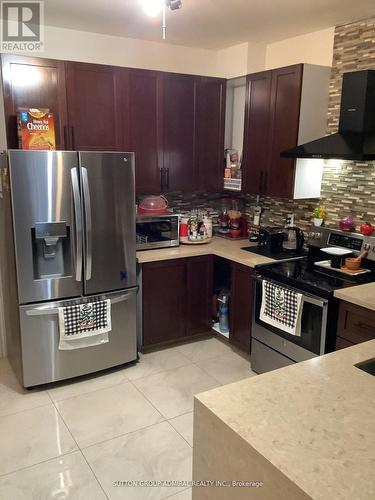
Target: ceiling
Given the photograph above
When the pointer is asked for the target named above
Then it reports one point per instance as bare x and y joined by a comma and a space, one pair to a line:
210, 24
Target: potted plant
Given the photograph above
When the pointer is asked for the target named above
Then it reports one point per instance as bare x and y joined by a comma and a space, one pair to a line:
320, 215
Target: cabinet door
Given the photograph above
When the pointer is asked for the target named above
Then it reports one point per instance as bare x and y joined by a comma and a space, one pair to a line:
241, 305
143, 124
163, 301
210, 132
31, 82
256, 131
355, 323
285, 109
199, 294
94, 107
179, 131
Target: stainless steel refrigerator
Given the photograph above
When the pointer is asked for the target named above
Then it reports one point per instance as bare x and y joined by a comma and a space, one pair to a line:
73, 218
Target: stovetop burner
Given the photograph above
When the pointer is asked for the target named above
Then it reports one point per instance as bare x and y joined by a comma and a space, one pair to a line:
303, 274
279, 255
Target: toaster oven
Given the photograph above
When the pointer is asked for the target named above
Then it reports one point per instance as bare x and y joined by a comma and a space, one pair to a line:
157, 231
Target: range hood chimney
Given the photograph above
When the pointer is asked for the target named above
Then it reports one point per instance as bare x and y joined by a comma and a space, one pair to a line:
355, 139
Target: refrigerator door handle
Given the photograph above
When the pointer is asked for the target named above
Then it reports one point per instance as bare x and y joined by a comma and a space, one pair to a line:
45, 310
78, 223
88, 223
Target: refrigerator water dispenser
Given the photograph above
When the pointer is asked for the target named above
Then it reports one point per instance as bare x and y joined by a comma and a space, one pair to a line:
51, 249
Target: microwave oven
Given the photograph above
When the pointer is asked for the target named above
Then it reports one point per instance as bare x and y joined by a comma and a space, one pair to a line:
157, 231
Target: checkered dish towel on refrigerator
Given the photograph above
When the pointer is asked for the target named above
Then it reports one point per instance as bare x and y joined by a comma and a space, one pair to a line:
281, 308
84, 325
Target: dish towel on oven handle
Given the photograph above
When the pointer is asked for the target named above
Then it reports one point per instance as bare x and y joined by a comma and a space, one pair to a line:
281, 308
84, 325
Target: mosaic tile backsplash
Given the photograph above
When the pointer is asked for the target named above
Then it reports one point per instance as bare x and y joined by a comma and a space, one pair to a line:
348, 188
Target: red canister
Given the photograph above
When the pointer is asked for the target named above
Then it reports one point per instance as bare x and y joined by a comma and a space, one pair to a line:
184, 229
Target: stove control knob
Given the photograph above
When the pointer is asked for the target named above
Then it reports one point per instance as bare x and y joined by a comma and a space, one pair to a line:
318, 236
312, 235
367, 247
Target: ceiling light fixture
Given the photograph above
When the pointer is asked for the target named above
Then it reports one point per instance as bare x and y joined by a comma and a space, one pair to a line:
154, 8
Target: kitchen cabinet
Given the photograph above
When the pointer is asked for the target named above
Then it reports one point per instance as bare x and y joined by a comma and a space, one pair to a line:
95, 107
144, 123
284, 107
178, 104
32, 82
241, 305
199, 294
210, 132
176, 299
256, 133
355, 325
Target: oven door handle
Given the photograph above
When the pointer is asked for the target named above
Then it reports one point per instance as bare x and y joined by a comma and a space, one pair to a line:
306, 297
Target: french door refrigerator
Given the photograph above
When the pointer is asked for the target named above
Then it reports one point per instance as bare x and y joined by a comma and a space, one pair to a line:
74, 242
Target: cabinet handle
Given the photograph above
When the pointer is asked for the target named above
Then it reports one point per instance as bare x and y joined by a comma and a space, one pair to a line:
66, 139
167, 178
161, 179
72, 141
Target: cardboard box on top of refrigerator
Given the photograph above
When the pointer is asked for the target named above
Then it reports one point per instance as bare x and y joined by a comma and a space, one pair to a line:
36, 129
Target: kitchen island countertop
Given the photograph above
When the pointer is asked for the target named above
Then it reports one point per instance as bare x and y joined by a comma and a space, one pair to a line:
221, 247
361, 295
306, 430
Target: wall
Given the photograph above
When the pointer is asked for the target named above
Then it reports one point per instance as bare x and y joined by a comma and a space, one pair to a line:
313, 48
83, 46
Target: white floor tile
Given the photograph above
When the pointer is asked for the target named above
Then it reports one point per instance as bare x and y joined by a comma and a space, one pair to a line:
86, 385
156, 453
155, 362
171, 392
204, 349
184, 426
32, 436
66, 477
105, 414
14, 398
228, 368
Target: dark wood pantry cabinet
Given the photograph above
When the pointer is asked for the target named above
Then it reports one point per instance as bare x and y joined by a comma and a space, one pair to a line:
176, 299
34, 82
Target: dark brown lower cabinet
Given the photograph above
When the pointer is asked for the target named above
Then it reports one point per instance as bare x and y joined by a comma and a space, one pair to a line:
355, 325
241, 304
176, 299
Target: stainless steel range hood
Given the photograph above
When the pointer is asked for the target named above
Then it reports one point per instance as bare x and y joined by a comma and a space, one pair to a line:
355, 139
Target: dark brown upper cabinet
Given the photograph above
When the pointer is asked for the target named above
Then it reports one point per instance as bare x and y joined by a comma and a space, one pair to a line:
142, 127
284, 107
31, 82
95, 107
179, 135
210, 132
256, 133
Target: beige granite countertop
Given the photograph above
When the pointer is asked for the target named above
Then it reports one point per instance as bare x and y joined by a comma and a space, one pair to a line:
313, 421
362, 295
228, 249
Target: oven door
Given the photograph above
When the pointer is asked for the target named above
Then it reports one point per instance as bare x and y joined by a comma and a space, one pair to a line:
312, 340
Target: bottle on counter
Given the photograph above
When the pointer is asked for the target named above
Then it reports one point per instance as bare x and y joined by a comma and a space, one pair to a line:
223, 314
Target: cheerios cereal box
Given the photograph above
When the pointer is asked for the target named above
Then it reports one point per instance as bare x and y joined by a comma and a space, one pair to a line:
36, 129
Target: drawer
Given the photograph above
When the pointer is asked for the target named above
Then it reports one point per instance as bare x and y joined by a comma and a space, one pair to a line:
356, 324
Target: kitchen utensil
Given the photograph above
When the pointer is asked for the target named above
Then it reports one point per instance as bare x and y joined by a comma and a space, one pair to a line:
326, 264
153, 205
354, 263
337, 255
293, 239
235, 233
